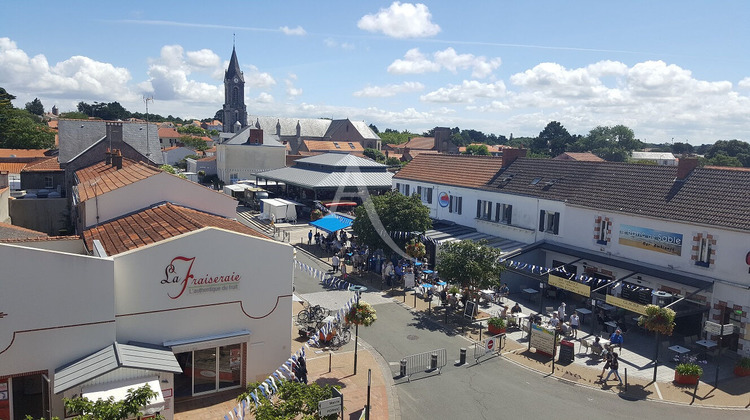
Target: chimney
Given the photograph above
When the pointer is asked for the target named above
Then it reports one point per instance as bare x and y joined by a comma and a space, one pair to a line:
108, 157
114, 133
510, 156
685, 165
117, 159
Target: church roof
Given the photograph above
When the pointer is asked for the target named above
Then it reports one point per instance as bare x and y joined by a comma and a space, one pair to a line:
234, 68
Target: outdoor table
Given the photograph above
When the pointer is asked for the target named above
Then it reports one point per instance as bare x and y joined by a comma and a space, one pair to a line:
679, 349
607, 307
530, 292
488, 294
612, 324
583, 312
417, 264
706, 344
516, 318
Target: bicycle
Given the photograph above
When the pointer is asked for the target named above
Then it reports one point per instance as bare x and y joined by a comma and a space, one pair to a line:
311, 314
342, 337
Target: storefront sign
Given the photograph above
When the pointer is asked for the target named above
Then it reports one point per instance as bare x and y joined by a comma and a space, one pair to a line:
626, 304
573, 286
542, 339
178, 277
652, 240
444, 199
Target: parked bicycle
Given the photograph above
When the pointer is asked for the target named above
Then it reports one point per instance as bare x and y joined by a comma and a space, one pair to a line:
311, 314
343, 336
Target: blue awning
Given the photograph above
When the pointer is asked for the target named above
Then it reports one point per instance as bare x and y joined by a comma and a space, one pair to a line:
332, 223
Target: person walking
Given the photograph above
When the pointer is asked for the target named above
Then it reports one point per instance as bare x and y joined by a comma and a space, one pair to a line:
561, 312
613, 366
309, 237
335, 263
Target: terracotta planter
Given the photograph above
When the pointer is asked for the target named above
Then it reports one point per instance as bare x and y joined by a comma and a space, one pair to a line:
494, 330
741, 371
686, 379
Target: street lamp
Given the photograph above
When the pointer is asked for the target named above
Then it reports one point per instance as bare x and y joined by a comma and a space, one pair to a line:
358, 290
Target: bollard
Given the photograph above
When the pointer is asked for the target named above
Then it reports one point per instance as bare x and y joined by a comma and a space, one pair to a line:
403, 368
330, 355
447, 308
433, 361
626, 379
462, 357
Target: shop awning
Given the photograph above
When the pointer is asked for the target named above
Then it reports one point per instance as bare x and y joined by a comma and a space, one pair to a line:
119, 391
445, 234
216, 340
332, 223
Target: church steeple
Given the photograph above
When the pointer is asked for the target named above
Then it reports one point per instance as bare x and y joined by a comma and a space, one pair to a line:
234, 96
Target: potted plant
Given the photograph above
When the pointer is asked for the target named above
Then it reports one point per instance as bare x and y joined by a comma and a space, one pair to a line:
453, 290
415, 249
496, 325
658, 319
315, 215
687, 373
361, 313
742, 368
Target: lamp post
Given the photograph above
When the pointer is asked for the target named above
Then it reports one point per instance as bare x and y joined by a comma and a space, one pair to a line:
358, 290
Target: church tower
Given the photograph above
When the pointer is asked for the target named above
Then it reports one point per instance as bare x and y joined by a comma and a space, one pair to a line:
234, 96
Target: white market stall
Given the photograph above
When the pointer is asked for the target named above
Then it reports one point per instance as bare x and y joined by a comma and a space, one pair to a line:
279, 210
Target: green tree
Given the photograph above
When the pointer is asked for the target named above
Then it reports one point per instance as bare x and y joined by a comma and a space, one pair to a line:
21, 130
75, 115
387, 213
168, 168
470, 264
555, 138
192, 130
195, 143
731, 148
393, 161
109, 409
477, 149
294, 399
5, 99
390, 136
374, 154
35, 107
374, 128
722, 159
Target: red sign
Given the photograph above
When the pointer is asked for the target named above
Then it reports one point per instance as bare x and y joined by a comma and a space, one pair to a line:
444, 199
490, 344
179, 273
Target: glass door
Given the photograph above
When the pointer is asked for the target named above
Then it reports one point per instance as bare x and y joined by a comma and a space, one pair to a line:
204, 371
230, 366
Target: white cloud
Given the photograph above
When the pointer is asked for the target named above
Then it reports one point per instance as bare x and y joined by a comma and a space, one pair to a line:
293, 31
389, 90
169, 76
466, 92
415, 62
401, 20
203, 59
264, 98
291, 90
744, 83
257, 79
332, 43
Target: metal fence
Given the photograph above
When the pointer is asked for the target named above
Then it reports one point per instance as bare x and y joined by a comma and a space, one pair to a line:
489, 346
421, 362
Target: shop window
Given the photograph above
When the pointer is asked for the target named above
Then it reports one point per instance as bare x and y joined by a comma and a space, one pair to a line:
549, 222
209, 370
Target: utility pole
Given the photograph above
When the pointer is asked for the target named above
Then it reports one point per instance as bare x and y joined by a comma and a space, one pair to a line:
148, 145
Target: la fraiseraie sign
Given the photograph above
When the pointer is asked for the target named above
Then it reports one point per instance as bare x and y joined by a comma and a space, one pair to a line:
180, 279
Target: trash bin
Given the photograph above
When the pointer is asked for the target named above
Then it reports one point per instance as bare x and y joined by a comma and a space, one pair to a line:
566, 351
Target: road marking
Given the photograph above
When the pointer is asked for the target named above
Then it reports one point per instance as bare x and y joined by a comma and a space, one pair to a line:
656, 385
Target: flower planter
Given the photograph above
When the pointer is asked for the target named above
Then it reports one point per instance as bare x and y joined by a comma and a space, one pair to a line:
686, 379
741, 371
495, 330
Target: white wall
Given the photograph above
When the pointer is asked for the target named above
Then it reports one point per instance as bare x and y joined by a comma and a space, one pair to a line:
4, 197
172, 157
262, 302
156, 189
247, 160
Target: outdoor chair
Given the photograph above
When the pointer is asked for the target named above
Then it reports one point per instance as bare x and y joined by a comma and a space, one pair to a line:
596, 351
584, 343
549, 310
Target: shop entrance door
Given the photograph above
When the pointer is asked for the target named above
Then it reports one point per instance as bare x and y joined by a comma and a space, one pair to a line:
209, 370
29, 395
204, 371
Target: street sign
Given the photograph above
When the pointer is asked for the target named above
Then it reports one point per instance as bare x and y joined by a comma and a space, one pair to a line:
329, 406
712, 328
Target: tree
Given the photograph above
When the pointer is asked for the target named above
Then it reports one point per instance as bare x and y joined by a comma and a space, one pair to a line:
721, 159
723, 149
292, 400
20, 130
374, 128
35, 107
374, 154
5, 99
75, 115
390, 212
555, 137
192, 130
471, 264
110, 409
477, 149
392, 161
195, 143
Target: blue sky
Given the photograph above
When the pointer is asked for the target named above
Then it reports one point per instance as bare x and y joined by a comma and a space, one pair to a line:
670, 70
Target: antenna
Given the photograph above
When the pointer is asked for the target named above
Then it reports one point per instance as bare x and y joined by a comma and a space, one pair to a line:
148, 147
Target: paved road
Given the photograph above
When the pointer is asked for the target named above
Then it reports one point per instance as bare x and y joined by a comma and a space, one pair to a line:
496, 388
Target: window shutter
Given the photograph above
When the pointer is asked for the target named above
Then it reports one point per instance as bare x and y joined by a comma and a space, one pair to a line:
498, 209
450, 205
509, 213
406, 188
429, 196
419, 191
398, 187
479, 209
541, 220
460, 204
556, 224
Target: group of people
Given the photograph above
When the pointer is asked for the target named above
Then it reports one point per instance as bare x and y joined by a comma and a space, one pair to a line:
557, 320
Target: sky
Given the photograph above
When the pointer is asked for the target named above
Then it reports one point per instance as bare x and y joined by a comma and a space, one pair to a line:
673, 71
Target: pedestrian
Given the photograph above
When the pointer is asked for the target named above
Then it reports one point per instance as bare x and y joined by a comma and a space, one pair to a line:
343, 270
561, 312
302, 370
608, 363
613, 366
309, 237
574, 323
335, 263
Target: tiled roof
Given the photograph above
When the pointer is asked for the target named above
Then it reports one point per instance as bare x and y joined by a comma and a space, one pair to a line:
52, 124
100, 178
207, 159
717, 197
586, 157
339, 160
364, 130
157, 224
22, 153
10, 233
168, 132
12, 167
44, 165
343, 146
77, 136
459, 170
421, 143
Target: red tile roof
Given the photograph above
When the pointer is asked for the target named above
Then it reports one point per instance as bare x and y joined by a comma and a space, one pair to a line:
44, 165
22, 153
581, 157
12, 167
107, 178
157, 224
421, 143
12, 233
320, 145
168, 132
459, 170
207, 159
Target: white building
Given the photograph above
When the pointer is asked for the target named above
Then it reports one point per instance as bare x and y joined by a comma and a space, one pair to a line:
630, 229
660, 158
150, 299
247, 153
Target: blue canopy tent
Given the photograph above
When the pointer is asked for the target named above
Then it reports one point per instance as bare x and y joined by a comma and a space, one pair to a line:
332, 223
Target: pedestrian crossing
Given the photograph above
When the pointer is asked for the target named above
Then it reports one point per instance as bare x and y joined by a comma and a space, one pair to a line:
250, 218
